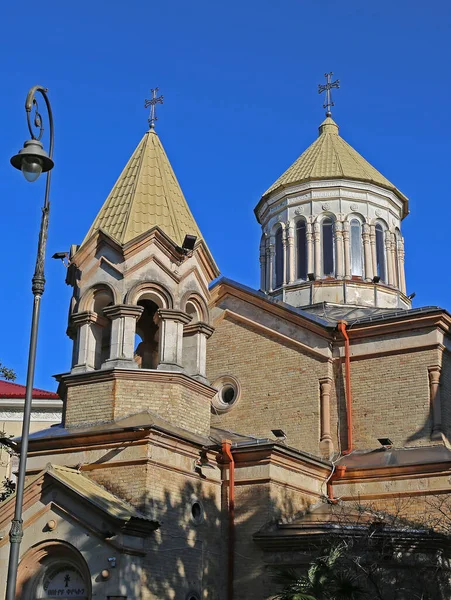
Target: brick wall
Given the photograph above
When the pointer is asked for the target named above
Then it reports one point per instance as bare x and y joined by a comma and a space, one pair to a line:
280, 385
182, 556
89, 403
390, 396
118, 398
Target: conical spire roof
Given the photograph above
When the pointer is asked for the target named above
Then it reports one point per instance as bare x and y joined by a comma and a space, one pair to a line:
330, 157
147, 194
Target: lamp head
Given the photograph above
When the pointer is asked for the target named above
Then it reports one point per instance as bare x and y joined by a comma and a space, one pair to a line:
32, 160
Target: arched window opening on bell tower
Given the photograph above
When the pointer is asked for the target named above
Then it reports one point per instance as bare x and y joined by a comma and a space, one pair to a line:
279, 257
327, 235
147, 336
301, 247
380, 253
102, 330
356, 248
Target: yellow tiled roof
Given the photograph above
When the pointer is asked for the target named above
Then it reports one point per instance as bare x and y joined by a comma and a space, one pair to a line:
147, 194
330, 157
94, 493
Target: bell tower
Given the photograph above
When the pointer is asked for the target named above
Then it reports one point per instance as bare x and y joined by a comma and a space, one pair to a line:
139, 316
331, 228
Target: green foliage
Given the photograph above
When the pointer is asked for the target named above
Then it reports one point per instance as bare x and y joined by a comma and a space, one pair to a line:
6, 373
8, 488
326, 579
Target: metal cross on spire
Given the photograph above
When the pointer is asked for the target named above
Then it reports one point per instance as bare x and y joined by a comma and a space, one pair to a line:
327, 88
152, 103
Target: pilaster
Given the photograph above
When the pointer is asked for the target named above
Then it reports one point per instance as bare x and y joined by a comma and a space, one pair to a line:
435, 401
326, 445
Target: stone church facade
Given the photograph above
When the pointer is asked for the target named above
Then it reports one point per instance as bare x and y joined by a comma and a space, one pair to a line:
204, 422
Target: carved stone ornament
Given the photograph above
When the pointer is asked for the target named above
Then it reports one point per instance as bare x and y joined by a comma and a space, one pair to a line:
393, 222
299, 210
378, 212
325, 206
354, 206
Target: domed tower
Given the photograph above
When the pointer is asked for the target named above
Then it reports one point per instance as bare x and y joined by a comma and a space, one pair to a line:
332, 230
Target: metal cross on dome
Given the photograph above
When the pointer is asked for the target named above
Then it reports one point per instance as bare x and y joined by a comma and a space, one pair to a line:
327, 88
152, 103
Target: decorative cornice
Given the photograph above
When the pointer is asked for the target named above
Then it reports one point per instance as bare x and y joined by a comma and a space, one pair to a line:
72, 380
198, 327
169, 314
123, 310
87, 316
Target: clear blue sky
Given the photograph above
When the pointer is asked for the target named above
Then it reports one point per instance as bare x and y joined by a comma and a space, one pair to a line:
240, 85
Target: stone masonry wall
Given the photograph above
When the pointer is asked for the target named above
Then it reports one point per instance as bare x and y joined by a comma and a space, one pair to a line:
280, 385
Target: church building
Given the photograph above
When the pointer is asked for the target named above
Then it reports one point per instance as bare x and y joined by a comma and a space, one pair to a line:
210, 429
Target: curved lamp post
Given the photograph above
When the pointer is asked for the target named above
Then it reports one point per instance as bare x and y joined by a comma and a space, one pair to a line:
32, 160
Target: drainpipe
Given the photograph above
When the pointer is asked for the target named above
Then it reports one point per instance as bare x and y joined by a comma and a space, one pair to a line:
337, 473
342, 329
227, 455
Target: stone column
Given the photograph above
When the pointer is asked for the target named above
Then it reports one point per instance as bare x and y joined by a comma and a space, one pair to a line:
271, 265
402, 274
291, 276
285, 258
317, 244
373, 249
435, 402
388, 254
89, 338
195, 336
367, 253
263, 267
339, 268
310, 253
123, 329
171, 338
326, 445
346, 250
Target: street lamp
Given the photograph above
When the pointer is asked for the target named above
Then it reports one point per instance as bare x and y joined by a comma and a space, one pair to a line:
32, 160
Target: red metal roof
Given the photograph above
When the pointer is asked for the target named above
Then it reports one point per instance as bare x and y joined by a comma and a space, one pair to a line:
15, 390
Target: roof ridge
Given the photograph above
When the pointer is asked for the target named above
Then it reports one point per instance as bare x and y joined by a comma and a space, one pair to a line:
135, 184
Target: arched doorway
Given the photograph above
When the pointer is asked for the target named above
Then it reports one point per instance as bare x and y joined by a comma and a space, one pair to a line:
53, 570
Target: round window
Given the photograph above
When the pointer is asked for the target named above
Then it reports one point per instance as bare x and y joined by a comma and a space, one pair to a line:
197, 512
229, 391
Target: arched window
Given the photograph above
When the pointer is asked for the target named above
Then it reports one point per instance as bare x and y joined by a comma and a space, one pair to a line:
356, 247
301, 242
328, 246
380, 252
279, 257
147, 336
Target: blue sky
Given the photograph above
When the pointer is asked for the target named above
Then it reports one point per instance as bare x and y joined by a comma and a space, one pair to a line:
239, 79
